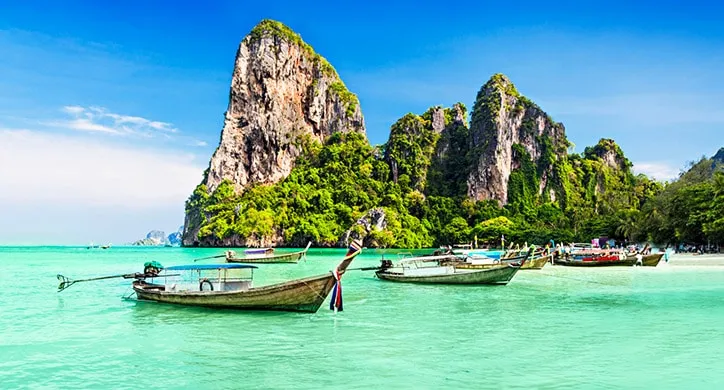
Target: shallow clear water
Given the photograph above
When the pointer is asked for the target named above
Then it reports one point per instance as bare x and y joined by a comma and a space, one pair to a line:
555, 328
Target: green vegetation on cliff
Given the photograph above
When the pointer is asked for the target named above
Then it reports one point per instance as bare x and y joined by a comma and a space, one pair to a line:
331, 187
420, 180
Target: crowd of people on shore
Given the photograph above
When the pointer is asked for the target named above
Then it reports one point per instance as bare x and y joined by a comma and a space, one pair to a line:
698, 249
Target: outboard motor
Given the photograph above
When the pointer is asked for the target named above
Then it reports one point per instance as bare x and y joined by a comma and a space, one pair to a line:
152, 268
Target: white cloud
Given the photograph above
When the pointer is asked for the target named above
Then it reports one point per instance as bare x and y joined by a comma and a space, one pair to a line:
84, 124
75, 110
44, 168
99, 119
657, 170
199, 143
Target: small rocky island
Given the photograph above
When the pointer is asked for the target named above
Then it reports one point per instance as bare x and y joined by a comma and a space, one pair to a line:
159, 238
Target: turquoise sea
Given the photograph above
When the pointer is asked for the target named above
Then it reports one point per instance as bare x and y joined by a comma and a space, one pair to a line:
556, 328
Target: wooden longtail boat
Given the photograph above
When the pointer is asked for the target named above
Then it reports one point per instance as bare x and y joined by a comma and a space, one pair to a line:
599, 258
536, 260
446, 269
501, 274
267, 257
219, 289
650, 260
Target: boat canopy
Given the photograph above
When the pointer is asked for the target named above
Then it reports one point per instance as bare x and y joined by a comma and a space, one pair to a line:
207, 267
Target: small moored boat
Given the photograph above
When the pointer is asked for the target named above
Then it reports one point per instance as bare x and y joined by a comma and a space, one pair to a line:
266, 255
651, 260
597, 258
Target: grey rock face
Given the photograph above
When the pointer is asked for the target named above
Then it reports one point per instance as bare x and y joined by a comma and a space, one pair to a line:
502, 118
282, 94
153, 238
279, 94
374, 220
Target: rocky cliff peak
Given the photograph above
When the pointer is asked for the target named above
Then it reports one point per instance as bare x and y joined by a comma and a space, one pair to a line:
416, 140
719, 156
281, 92
501, 119
450, 166
282, 95
610, 153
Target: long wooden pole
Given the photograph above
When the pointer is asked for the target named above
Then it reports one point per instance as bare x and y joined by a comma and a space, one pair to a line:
210, 257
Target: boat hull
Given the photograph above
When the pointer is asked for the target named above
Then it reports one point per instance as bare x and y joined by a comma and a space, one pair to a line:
491, 275
652, 260
283, 258
303, 295
537, 263
627, 262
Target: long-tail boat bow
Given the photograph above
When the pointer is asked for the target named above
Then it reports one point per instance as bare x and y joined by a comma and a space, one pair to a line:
336, 302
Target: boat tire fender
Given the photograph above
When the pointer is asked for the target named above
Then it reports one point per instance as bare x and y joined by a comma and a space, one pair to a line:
201, 285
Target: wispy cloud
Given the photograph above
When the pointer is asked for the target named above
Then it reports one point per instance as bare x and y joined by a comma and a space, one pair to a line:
657, 170
100, 119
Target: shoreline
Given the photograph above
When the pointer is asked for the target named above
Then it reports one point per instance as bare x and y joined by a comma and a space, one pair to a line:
687, 259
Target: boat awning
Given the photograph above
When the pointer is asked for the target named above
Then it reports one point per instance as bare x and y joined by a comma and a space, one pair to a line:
207, 267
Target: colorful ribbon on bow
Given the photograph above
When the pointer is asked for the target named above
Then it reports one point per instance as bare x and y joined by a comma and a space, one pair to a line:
336, 302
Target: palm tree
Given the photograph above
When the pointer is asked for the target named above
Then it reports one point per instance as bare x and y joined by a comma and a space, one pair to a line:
627, 224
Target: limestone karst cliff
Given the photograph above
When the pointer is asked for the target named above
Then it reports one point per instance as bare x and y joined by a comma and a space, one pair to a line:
282, 93
294, 165
501, 119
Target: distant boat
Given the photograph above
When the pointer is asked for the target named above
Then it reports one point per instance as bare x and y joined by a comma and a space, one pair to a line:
226, 286
267, 256
105, 246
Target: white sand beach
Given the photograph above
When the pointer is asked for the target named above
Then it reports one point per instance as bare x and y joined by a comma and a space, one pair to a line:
687, 259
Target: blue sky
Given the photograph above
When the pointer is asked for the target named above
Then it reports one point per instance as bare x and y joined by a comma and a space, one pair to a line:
109, 112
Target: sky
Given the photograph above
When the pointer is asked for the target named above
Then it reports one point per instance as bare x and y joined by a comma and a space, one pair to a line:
110, 111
